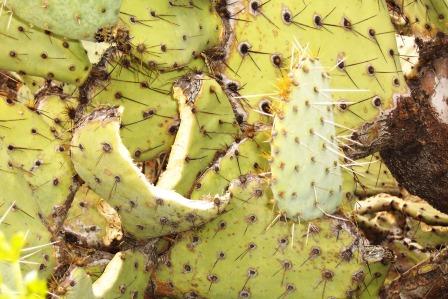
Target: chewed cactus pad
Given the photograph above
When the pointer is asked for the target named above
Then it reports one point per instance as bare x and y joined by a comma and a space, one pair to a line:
207, 127
101, 159
247, 253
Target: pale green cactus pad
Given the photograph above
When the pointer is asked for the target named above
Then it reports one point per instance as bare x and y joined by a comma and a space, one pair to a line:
207, 127
169, 34
25, 49
249, 253
146, 211
79, 19
305, 156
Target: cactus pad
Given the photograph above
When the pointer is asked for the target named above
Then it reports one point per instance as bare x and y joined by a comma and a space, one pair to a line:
101, 159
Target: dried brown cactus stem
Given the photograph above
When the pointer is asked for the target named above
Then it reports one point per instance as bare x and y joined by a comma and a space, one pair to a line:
413, 136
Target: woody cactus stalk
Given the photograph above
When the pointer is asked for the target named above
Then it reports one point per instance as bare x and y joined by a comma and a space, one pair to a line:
278, 149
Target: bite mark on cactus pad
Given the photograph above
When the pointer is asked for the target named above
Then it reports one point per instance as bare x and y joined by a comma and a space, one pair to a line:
146, 211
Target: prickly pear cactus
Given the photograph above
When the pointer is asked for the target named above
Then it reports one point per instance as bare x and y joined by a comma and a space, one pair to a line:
214, 149
193, 27
207, 127
249, 253
101, 159
25, 50
79, 19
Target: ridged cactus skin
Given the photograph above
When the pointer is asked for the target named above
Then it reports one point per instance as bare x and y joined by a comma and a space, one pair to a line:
79, 19
146, 211
248, 253
207, 127
192, 26
25, 50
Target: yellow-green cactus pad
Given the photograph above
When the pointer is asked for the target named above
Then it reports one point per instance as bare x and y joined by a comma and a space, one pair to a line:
79, 19
31, 51
359, 51
207, 127
146, 211
249, 155
169, 34
147, 100
29, 149
249, 253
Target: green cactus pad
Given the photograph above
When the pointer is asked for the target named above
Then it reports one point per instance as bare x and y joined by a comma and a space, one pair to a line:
305, 157
21, 213
207, 127
250, 155
245, 253
29, 149
147, 100
146, 211
92, 221
58, 111
79, 19
77, 285
358, 49
169, 34
26, 50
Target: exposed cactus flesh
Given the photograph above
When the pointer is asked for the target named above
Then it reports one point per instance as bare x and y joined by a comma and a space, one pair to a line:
101, 159
207, 127
92, 220
147, 100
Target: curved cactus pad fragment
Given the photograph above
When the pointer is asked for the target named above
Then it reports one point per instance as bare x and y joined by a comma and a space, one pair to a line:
31, 51
146, 211
306, 176
168, 34
76, 19
245, 253
207, 127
